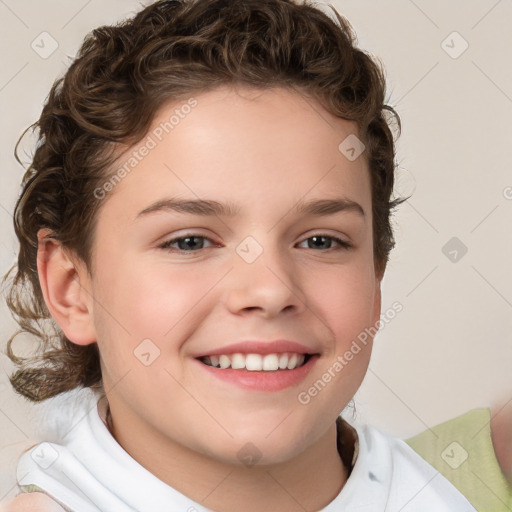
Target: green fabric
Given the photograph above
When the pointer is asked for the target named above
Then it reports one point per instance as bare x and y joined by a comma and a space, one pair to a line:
461, 449
30, 488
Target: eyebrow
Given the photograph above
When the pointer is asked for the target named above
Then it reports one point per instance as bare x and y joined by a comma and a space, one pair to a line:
208, 207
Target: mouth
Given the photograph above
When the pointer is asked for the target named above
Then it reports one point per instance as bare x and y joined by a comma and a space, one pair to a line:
254, 362
253, 372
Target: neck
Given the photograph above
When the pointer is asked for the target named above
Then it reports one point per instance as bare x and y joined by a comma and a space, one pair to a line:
308, 482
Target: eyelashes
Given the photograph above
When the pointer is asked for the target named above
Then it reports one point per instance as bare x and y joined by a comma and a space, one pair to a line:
190, 240
342, 243
191, 236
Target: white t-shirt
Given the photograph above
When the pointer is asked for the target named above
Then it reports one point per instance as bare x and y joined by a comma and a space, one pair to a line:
88, 471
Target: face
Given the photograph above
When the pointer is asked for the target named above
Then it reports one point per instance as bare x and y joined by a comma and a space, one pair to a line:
174, 284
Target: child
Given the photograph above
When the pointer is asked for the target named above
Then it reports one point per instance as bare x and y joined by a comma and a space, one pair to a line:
212, 377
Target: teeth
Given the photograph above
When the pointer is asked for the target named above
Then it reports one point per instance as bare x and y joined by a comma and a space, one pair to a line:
237, 361
224, 361
270, 362
256, 362
292, 362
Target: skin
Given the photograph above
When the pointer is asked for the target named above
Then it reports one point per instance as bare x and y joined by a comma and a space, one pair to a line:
264, 151
501, 435
33, 502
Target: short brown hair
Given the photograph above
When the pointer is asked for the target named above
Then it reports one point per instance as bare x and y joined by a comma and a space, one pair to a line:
108, 98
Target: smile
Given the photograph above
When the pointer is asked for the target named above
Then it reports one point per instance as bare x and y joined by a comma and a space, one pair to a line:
257, 362
258, 372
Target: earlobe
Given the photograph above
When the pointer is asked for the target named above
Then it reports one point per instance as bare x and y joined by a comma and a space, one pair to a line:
66, 289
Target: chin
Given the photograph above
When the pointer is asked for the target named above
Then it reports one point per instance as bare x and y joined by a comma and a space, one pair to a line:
257, 449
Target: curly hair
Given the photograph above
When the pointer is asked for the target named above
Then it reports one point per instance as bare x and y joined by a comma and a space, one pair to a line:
107, 99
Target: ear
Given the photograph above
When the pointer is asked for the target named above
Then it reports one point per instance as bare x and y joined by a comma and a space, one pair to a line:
66, 288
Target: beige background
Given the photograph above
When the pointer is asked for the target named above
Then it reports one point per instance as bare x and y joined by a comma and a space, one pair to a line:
450, 348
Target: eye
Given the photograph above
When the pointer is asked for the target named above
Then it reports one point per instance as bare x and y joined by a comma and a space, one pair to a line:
191, 242
319, 241
185, 243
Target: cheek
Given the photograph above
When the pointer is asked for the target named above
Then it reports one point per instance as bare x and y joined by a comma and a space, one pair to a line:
345, 298
164, 300
152, 301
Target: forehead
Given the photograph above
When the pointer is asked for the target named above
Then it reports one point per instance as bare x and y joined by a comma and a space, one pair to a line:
254, 148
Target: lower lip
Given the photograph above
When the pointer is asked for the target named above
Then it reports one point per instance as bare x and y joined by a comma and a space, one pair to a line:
262, 380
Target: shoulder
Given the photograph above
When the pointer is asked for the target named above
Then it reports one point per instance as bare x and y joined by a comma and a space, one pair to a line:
501, 433
401, 479
392, 455
461, 449
33, 502
466, 438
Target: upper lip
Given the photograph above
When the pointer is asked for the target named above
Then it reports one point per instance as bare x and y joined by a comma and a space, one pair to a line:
260, 347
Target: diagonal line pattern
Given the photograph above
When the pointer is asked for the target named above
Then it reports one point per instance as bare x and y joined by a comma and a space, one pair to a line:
494, 288
200, 404
370, 370
81, 489
279, 424
216, 487
95, 404
303, 196
285, 490
421, 490
492, 211
13, 13
490, 419
75, 278
204, 295
313, 107
422, 216
4, 208
309, 309
422, 280
219, 218
76, 14
14, 487
490, 490
14, 76
485, 15
424, 14
17, 426
329, 170
417, 83
492, 81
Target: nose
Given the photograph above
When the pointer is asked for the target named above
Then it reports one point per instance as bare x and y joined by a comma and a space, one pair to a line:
270, 284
